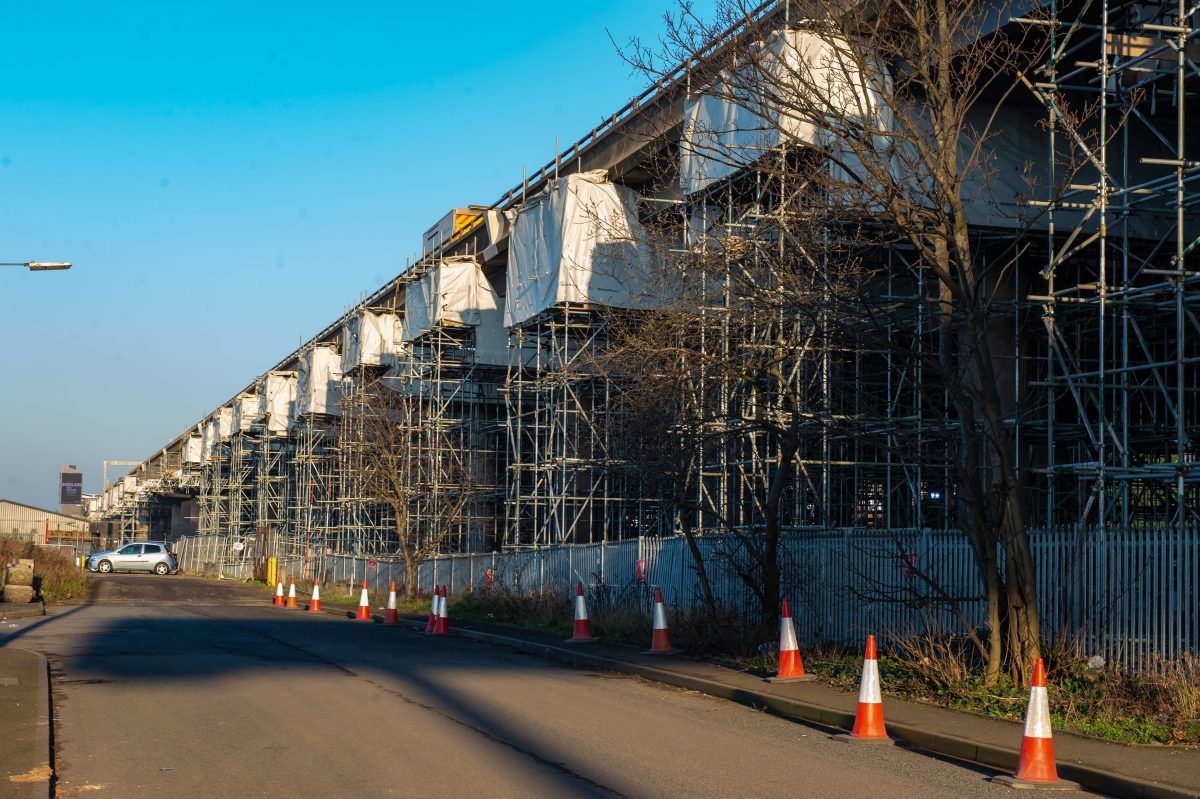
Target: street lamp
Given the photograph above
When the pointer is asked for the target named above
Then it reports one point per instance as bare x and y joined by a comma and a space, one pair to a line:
39, 266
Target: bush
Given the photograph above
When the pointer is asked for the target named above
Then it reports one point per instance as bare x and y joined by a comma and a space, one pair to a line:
56, 577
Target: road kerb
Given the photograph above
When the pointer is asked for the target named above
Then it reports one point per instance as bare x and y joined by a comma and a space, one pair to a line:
997, 757
22, 610
29, 768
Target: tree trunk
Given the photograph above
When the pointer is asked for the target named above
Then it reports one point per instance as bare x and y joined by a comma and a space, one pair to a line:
771, 594
995, 639
689, 536
411, 565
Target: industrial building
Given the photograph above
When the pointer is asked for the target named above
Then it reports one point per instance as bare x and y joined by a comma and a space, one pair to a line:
494, 335
42, 526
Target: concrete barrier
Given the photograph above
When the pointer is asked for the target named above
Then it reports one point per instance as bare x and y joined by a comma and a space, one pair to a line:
18, 582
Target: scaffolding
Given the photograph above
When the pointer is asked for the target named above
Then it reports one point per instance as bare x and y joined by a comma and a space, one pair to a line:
1098, 325
313, 524
214, 496
1117, 367
453, 429
244, 448
871, 450
367, 524
567, 480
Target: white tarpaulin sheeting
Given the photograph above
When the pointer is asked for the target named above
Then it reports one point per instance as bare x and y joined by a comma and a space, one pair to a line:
369, 338
579, 241
248, 409
735, 123
318, 387
209, 433
279, 390
455, 291
224, 422
192, 449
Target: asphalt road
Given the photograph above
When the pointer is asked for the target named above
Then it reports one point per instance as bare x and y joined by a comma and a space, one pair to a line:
176, 687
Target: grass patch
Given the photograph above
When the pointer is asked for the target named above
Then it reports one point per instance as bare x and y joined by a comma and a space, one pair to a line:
1102, 702
56, 577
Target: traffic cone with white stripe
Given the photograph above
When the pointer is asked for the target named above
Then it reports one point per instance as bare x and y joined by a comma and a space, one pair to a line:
364, 606
291, 600
433, 611
660, 640
314, 604
443, 626
279, 601
583, 627
791, 667
391, 616
868, 722
1035, 766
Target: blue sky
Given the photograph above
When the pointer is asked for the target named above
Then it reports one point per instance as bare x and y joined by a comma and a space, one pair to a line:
228, 177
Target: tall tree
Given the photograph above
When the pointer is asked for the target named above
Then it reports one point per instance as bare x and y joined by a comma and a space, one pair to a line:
873, 126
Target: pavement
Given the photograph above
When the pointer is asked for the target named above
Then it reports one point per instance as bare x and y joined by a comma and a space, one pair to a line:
21, 610
25, 757
171, 686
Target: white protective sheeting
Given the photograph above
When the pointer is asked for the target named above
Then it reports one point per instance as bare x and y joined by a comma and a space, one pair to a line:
735, 123
248, 410
210, 438
224, 419
318, 388
129, 484
579, 241
370, 339
455, 292
279, 391
192, 449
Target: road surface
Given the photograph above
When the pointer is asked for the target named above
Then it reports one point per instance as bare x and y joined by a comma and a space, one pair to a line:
178, 687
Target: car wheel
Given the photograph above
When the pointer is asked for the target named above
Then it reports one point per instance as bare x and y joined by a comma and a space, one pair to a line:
162, 568
105, 567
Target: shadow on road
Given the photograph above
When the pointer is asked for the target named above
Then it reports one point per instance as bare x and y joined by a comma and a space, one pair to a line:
184, 648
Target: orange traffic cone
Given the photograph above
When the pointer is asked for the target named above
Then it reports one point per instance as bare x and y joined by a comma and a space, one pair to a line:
314, 604
392, 616
868, 722
583, 627
1035, 767
791, 667
279, 593
291, 600
433, 611
660, 641
364, 607
443, 621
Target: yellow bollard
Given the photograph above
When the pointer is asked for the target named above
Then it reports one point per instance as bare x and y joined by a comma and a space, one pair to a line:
271, 565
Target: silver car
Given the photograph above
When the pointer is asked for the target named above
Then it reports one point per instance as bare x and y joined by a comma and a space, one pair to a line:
150, 556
